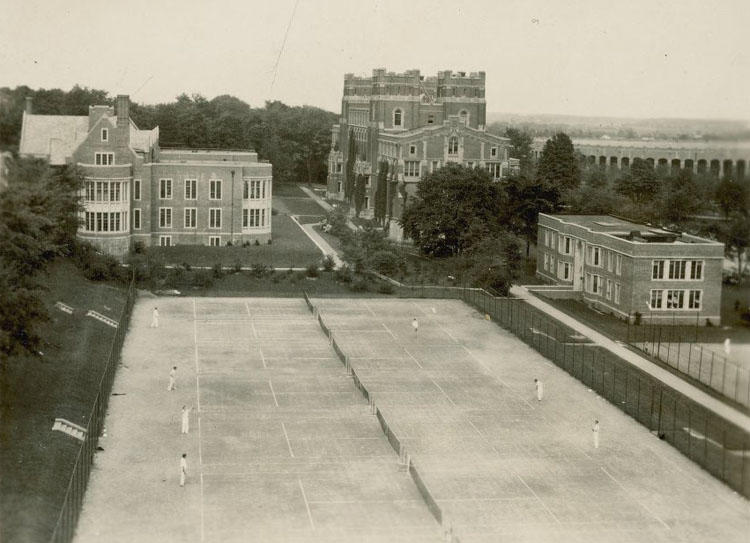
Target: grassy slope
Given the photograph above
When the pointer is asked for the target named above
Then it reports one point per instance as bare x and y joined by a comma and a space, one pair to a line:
36, 463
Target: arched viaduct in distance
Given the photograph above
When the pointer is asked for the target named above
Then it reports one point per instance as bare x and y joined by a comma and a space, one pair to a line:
719, 158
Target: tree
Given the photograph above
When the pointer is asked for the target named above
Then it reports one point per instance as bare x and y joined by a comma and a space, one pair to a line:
381, 192
640, 183
526, 199
680, 197
494, 262
558, 164
351, 158
737, 242
731, 197
520, 147
447, 202
359, 193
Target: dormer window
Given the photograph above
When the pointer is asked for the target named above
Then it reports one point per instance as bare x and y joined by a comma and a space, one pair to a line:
105, 134
397, 118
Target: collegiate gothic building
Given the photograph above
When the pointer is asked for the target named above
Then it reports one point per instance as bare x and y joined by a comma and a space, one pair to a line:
416, 124
134, 191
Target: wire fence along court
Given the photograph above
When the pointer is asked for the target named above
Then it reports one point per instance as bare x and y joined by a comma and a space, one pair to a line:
71, 508
678, 348
718, 446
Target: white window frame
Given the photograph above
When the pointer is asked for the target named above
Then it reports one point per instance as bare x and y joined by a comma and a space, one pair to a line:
165, 188
618, 264
190, 217
678, 270
617, 293
164, 214
453, 151
367, 202
214, 189
493, 152
165, 241
675, 299
105, 134
409, 168
657, 269
214, 241
698, 265
400, 112
191, 189
655, 299
695, 299
137, 218
412, 149
104, 159
608, 293
136, 189
566, 271
546, 262
214, 217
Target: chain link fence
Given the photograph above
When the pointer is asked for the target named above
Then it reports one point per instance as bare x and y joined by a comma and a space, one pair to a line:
718, 446
679, 349
71, 508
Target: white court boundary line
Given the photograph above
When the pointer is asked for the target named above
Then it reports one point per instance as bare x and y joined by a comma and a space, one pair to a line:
270, 385
635, 500
288, 443
307, 504
389, 331
544, 505
198, 404
415, 360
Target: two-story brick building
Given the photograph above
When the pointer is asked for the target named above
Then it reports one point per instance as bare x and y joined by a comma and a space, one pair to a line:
624, 268
135, 191
416, 124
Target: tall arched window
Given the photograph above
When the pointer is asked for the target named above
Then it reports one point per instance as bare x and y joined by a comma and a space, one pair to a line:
463, 116
397, 117
453, 145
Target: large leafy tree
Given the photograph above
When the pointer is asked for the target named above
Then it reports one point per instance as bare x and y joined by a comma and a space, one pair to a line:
558, 165
520, 148
381, 192
448, 201
526, 199
731, 197
640, 183
359, 193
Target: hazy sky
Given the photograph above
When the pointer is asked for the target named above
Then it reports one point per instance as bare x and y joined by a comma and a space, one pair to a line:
632, 58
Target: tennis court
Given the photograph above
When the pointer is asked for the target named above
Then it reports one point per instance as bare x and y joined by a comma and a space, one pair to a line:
459, 394
282, 447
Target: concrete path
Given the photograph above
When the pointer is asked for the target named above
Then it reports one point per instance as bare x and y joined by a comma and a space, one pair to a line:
318, 240
325, 205
709, 402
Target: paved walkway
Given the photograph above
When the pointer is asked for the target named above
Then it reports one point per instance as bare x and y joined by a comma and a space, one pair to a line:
709, 402
318, 240
325, 205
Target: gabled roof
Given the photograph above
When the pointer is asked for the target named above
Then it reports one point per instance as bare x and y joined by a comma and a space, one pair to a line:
54, 137
142, 140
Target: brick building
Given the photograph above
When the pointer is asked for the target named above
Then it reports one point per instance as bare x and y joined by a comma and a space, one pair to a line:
135, 191
621, 267
416, 124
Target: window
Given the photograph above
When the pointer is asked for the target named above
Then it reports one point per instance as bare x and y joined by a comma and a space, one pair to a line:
546, 237
566, 271
367, 202
191, 189
165, 189
104, 159
656, 299
435, 165
411, 168
397, 114
675, 298
696, 270
105, 134
657, 270
136, 189
617, 293
618, 264
593, 283
564, 242
463, 116
453, 145
338, 186
136, 219
165, 217
609, 261
677, 269
431, 118
546, 261
244, 218
262, 217
191, 214
368, 182
251, 218
214, 241
412, 149
214, 189
609, 289
552, 264
694, 299
214, 218
493, 152
595, 256
165, 241
470, 165
338, 167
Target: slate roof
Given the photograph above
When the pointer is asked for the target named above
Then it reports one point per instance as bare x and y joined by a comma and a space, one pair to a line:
54, 137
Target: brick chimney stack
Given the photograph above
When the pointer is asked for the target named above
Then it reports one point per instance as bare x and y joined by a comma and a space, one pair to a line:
122, 110
28, 106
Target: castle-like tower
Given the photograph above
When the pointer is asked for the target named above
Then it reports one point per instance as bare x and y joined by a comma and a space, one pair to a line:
416, 124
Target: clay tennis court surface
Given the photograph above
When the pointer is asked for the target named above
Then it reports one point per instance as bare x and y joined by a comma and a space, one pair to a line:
283, 447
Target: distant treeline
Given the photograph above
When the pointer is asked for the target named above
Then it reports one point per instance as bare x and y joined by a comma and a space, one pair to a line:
296, 140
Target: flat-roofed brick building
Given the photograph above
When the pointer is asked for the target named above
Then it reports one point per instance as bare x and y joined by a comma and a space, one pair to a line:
135, 191
624, 268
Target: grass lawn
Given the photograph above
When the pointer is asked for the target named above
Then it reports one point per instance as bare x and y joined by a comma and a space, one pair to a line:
36, 463
291, 248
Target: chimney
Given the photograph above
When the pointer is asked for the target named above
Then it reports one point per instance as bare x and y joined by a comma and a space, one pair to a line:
28, 105
122, 110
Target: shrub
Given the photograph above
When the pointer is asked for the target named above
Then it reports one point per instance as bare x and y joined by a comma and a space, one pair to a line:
343, 274
328, 263
257, 242
269, 241
237, 268
139, 248
202, 279
385, 288
312, 270
175, 278
187, 266
360, 284
259, 270
217, 271
385, 262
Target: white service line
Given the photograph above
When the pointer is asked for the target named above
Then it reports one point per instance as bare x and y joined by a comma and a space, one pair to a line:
444, 394
198, 405
270, 385
636, 501
538, 498
413, 358
389, 331
288, 443
307, 504
263, 358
